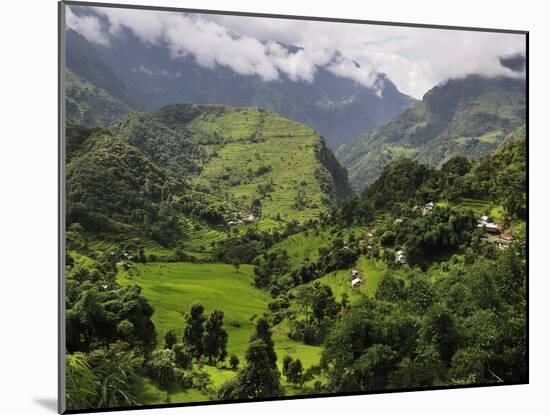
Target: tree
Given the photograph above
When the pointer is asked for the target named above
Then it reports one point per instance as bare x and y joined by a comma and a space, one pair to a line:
510, 275
257, 208
458, 165
293, 370
170, 339
420, 294
439, 329
360, 327
263, 333
215, 339
118, 372
193, 332
160, 366
391, 288
387, 238
99, 312
323, 302
234, 362
468, 365
287, 360
80, 391
182, 357
425, 370
371, 371
258, 379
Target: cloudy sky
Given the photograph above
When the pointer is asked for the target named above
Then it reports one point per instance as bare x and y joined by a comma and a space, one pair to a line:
414, 59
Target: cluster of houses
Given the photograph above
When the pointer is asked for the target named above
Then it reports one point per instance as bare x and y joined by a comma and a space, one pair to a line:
240, 218
363, 243
491, 228
125, 258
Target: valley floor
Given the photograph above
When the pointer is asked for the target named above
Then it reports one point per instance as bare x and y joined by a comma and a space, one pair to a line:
172, 287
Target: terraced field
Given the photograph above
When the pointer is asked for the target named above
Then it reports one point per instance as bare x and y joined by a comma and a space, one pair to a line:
263, 156
200, 236
480, 207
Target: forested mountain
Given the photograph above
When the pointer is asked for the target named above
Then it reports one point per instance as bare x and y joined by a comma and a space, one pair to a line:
212, 163
88, 104
94, 93
469, 117
499, 177
340, 109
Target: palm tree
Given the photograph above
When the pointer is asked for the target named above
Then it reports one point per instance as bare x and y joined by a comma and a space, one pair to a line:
81, 382
118, 376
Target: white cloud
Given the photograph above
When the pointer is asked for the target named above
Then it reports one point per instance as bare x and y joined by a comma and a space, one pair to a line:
414, 59
87, 26
212, 44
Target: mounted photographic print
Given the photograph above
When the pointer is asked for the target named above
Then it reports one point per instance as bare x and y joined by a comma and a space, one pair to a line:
260, 207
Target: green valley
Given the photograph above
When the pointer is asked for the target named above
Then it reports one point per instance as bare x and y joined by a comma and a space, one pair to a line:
216, 249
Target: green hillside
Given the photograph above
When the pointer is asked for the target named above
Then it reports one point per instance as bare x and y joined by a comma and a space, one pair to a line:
82, 58
94, 95
181, 175
88, 104
469, 117
243, 155
267, 157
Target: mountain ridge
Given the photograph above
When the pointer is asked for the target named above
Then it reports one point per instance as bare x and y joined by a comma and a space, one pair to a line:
470, 116
210, 163
339, 108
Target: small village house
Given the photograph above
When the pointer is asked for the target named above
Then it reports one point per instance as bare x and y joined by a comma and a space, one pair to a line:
428, 207
400, 257
486, 224
504, 240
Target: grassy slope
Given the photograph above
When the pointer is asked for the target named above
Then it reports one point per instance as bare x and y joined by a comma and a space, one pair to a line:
171, 288
371, 272
305, 245
302, 246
